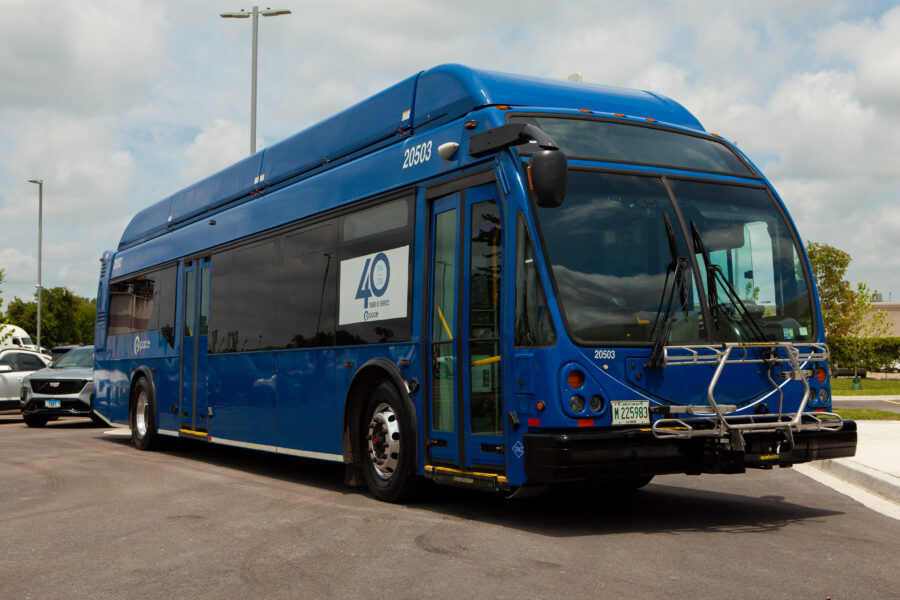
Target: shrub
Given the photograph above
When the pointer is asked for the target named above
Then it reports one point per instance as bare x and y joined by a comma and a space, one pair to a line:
883, 353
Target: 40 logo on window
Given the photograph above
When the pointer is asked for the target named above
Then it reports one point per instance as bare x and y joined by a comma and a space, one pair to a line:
374, 287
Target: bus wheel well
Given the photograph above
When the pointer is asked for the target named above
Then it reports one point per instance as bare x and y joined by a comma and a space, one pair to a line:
363, 381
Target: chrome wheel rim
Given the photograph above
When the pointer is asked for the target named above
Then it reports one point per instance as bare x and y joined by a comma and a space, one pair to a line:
140, 414
384, 441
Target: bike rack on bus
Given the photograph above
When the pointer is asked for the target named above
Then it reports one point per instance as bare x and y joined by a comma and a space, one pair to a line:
717, 424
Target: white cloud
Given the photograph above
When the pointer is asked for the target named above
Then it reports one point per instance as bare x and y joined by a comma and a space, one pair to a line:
83, 56
870, 49
82, 161
17, 266
218, 145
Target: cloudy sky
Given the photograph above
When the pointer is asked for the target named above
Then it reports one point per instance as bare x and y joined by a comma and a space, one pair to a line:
118, 103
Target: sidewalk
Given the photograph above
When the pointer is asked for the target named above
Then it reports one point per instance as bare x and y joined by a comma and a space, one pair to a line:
876, 466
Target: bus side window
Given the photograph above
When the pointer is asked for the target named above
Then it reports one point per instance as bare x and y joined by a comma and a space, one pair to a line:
533, 326
363, 234
306, 288
165, 303
144, 303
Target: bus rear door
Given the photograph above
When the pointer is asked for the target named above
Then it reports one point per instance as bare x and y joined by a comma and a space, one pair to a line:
193, 408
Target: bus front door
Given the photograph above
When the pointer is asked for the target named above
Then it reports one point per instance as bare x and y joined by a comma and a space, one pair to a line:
193, 403
465, 407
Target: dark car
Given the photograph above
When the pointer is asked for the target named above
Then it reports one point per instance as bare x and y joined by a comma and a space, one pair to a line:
57, 351
64, 389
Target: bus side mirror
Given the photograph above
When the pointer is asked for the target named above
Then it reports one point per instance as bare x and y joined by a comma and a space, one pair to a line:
548, 168
548, 177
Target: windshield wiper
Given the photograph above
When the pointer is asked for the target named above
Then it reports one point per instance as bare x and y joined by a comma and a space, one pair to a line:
713, 274
676, 268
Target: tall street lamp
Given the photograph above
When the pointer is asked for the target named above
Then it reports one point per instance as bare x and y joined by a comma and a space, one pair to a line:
40, 184
243, 14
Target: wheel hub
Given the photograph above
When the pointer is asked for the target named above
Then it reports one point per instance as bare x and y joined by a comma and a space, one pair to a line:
140, 414
384, 440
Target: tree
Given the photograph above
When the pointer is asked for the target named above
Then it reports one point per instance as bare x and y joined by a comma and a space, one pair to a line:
864, 324
829, 265
65, 317
847, 313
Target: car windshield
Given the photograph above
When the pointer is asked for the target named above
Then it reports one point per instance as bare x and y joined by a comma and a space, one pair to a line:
615, 243
79, 357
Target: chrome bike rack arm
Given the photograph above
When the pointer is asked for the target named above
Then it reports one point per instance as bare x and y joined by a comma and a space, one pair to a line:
719, 424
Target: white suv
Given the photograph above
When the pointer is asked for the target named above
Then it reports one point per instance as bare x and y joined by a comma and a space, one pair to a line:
15, 364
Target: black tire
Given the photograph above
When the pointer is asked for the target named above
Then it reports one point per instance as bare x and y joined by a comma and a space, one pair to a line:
143, 416
35, 420
388, 445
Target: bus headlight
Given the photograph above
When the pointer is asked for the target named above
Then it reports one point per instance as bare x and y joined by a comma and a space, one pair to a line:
576, 403
824, 396
596, 403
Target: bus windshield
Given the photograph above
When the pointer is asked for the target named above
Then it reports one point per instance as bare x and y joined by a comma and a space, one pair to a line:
638, 144
613, 259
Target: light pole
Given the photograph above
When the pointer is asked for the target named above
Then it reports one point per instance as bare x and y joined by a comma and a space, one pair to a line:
243, 14
40, 184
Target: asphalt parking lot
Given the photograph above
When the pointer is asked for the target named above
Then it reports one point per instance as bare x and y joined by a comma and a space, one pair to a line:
85, 515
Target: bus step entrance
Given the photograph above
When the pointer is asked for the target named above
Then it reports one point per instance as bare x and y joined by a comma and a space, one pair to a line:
491, 482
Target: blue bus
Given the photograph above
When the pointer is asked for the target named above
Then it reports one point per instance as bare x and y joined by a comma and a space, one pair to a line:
482, 279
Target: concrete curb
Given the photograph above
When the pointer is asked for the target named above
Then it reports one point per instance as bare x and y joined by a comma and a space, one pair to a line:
872, 480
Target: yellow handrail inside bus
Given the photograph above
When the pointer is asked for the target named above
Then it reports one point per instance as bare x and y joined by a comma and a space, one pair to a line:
485, 361
444, 322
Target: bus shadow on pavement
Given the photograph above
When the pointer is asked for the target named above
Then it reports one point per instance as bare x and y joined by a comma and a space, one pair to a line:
657, 508
665, 507
324, 475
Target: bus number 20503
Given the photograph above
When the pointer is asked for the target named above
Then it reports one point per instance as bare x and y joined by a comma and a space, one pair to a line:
417, 154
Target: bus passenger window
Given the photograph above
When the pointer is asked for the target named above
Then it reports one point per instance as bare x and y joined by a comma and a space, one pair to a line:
373, 234
306, 288
144, 303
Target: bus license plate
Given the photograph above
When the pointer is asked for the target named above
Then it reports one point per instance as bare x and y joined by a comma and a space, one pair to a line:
51, 403
630, 412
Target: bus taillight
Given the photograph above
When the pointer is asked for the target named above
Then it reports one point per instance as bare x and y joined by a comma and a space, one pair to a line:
575, 379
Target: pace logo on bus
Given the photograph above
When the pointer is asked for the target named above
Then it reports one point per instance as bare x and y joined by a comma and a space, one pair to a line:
374, 287
140, 345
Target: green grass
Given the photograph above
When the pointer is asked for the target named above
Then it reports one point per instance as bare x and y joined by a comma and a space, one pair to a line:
840, 386
867, 414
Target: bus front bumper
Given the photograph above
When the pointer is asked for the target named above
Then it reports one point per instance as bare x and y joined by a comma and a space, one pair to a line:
611, 454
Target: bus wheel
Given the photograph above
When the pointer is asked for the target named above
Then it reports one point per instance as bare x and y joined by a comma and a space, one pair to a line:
143, 418
386, 448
